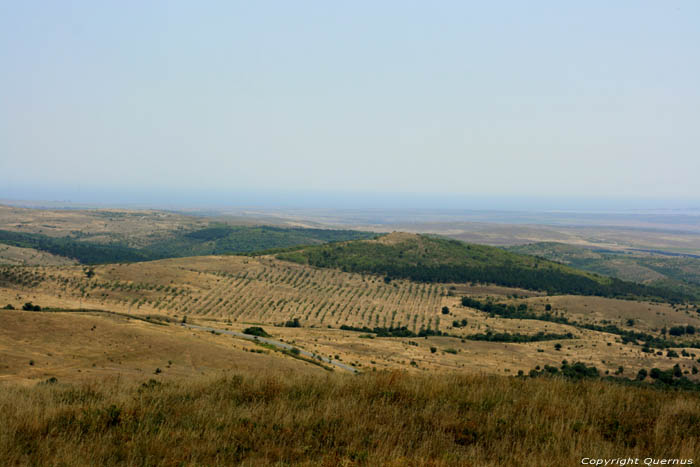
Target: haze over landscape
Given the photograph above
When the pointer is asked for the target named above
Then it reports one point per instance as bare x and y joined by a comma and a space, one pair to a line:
234, 103
349, 233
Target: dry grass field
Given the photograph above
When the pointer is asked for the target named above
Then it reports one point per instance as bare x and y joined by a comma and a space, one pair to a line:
36, 346
384, 418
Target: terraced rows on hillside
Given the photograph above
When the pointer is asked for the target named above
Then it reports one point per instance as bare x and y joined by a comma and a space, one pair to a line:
239, 289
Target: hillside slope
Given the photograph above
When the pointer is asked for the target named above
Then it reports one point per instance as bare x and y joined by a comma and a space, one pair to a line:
432, 259
676, 272
216, 239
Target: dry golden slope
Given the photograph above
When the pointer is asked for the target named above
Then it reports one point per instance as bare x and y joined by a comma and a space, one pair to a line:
35, 346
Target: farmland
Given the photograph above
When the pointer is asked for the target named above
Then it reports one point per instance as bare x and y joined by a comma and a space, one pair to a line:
320, 309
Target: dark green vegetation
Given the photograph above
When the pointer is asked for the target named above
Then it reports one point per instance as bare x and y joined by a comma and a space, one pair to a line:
371, 419
431, 259
488, 336
675, 272
256, 331
672, 378
523, 312
402, 331
85, 252
218, 239
516, 337
576, 371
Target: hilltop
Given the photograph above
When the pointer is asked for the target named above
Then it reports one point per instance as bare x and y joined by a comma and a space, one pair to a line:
427, 258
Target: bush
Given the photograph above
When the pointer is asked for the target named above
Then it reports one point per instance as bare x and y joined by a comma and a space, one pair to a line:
445, 310
433, 349
8, 307
30, 307
256, 331
293, 323
677, 371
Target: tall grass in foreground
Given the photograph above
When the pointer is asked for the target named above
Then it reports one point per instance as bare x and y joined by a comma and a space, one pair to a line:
373, 419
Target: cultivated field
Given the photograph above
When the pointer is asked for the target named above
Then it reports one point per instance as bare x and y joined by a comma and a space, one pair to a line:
233, 292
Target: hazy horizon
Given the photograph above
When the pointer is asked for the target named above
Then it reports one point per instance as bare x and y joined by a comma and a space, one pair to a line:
270, 201
544, 105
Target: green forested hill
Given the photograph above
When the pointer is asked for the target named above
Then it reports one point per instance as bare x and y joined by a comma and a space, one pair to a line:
433, 259
214, 240
671, 272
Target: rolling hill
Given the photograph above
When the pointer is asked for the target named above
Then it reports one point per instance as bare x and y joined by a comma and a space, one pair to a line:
216, 239
426, 258
671, 271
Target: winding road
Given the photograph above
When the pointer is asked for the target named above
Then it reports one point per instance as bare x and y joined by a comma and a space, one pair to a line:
278, 344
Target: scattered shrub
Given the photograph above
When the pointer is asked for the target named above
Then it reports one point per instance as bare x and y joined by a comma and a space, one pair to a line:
256, 331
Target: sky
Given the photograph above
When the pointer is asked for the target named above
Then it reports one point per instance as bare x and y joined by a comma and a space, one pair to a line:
322, 103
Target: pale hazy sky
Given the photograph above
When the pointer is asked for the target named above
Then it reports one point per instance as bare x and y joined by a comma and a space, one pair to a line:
122, 101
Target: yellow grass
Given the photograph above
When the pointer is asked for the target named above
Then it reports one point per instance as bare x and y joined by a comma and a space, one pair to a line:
36, 346
376, 419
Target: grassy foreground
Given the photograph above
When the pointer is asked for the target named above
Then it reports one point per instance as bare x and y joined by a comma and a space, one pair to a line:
372, 419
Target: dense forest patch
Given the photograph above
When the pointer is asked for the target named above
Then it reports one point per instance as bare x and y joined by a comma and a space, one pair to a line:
425, 258
218, 239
